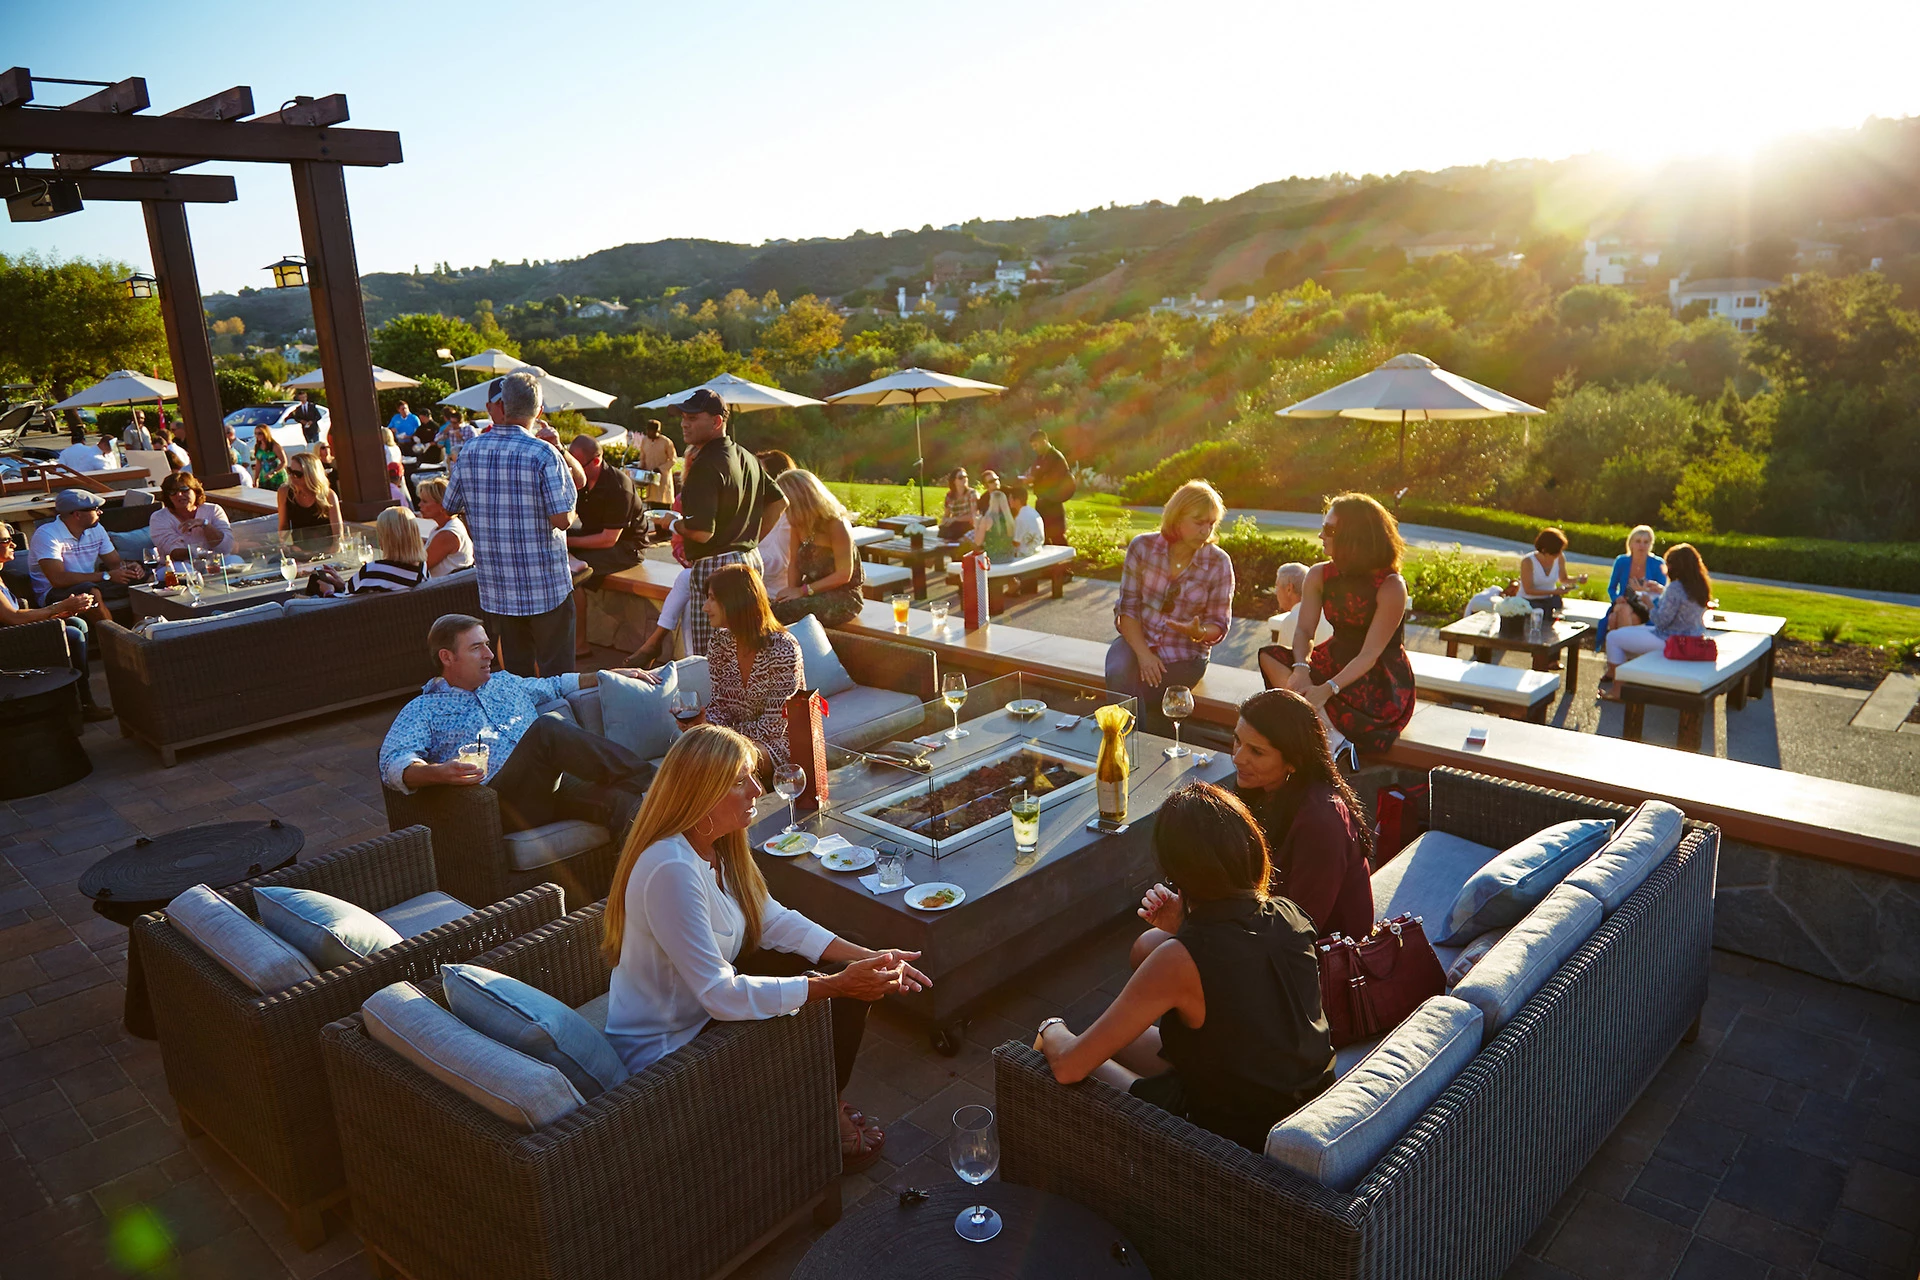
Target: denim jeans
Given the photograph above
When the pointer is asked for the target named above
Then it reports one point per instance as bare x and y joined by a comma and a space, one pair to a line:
1123, 677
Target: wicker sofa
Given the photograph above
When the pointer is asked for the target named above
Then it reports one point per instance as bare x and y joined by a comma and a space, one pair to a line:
202, 681
1470, 1181
244, 1068
487, 866
684, 1170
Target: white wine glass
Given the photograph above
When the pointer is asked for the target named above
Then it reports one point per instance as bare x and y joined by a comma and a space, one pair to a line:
974, 1153
953, 692
288, 569
190, 574
789, 780
1176, 703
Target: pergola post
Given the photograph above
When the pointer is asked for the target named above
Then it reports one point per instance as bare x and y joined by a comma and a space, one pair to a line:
340, 326
187, 341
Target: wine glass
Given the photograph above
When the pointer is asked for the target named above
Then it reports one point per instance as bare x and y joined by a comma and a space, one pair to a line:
789, 780
974, 1153
953, 692
288, 569
1176, 703
190, 574
685, 706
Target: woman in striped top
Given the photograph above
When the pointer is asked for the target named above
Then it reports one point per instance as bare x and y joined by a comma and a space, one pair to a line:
403, 562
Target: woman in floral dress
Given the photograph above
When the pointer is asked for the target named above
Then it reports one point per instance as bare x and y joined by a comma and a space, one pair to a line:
1359, 679
753, 662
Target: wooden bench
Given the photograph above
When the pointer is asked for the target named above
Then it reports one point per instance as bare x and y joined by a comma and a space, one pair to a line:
1512, 691
1047, 562
1759, 624
883, 580
1691, 687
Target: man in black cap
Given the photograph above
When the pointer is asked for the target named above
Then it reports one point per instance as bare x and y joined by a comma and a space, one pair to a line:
723, 502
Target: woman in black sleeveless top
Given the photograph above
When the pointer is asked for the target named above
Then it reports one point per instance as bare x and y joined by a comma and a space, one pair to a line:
1221, 1022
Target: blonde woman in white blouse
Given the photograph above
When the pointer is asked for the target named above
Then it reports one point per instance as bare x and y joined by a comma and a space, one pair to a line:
688, 905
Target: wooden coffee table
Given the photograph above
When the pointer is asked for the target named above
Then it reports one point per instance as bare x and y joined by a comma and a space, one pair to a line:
1482, 631
932, 553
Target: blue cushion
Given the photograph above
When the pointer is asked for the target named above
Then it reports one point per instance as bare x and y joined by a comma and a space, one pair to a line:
1643, 843
522, 1091
1516, 881
635, 712
1338, 1137
530, 1020
820, 667
327, 931
1531, 952
133, 544
262, 960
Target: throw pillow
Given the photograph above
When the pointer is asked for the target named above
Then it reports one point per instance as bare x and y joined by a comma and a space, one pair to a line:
1517, 881
530, 1020
1643, 843
132, 545
635, 712
327, 930
518, 1089
250, 953
820, 667
1470, 956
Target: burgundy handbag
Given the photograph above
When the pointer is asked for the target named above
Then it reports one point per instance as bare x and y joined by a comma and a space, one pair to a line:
1691, 649
1402, 816
1369, 985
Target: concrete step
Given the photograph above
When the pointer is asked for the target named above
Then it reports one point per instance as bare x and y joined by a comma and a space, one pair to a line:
1889, 705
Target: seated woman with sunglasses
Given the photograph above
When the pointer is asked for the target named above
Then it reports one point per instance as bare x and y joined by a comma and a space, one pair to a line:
1221, 1022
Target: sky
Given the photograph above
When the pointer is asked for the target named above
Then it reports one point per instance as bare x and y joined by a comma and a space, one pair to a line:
551, 130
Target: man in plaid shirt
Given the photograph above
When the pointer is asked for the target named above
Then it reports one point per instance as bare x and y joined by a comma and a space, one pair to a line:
517, 495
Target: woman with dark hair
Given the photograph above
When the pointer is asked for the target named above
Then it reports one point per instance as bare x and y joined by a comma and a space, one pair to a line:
1678, 609
1543, 574
1313, 821
1221, 1022
1359, 679
958, 511
753, 662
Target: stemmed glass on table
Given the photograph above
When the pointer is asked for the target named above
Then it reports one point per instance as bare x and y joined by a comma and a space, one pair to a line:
789, 780
1176, 703
189, 574
953, 692
974, 1153
288, 569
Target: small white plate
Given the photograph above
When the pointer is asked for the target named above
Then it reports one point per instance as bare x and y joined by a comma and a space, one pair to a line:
1025, 708
919, 896
855, 857
791, 845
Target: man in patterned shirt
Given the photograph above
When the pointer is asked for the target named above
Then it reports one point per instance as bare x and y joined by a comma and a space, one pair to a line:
527, 752
517, 495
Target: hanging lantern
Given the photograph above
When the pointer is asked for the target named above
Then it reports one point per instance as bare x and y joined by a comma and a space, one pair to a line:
141, 285
289, 273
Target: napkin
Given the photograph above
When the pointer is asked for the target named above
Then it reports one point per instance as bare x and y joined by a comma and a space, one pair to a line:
828, 844
872, 884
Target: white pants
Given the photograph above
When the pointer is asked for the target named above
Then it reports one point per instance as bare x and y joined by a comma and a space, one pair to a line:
1624, 643
674, 607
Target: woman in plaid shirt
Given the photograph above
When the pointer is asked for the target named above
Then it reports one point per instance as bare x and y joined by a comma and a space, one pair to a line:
1176, 599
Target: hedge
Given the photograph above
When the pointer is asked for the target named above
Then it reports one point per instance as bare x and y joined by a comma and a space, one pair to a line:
1877, 566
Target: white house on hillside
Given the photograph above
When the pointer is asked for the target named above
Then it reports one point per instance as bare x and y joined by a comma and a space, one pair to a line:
1741, 300
1612, 260
594, 309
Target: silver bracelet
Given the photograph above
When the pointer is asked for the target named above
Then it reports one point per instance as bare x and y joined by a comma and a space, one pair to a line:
1047, 1023
1307, 665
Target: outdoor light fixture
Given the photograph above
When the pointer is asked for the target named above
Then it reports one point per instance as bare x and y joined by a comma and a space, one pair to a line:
288, 273
140, 285
50, 200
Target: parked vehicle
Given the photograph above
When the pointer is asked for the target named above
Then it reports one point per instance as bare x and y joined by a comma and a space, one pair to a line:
276, 418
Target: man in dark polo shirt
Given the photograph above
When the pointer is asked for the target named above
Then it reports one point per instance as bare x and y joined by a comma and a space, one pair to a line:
724, 501
607, 539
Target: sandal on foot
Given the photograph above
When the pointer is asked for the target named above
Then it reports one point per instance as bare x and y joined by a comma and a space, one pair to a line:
861, 1147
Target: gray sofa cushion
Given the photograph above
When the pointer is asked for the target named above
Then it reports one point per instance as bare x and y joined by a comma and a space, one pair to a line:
821, 668
528, 1019
860, 715
328, 930
420, 914
543, 846
155, 628
595, 1011
1426, 877
634, 712
261, 959
586, 708
1642, 843
1338, 1137
1516, 881
521, 1090
1520, 963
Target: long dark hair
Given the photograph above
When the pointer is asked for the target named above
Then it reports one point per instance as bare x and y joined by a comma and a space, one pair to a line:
1366, 537
1685, 567
743, 602
1295, 729
1209, 847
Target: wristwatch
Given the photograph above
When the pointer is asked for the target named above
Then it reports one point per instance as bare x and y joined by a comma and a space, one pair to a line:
809, 587
1333, 685
106, 575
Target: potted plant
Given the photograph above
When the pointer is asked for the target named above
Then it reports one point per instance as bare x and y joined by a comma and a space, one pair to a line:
1513, 612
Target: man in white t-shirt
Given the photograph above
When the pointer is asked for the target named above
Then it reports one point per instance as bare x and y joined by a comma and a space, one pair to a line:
1029, 531
82, 456
1289, 582
71, 554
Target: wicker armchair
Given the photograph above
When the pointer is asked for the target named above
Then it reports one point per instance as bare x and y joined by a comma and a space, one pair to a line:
245, 1068
466, 822
34, 644
1473, 1178
684, 1170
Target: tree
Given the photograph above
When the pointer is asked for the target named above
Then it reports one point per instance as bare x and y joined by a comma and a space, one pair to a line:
800, 336
406, 344
65, 324
239, 389
231, 327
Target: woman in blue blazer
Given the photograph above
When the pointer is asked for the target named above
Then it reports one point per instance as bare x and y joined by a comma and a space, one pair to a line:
1627, 588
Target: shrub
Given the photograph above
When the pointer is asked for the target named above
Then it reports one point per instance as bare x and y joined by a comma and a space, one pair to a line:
1440, 586
1100, 542
1229, 465
1257, 555
239, 389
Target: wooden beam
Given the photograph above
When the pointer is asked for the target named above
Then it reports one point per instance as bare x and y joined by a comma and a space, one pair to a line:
187, 342
194, 188
229, 104
245, 141
310, 112
124, 98
16, 87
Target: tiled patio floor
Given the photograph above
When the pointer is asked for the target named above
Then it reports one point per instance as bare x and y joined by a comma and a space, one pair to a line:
1786, 1142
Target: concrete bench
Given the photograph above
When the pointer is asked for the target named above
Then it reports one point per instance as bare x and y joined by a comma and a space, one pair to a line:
650, 579
1691, 687
1047, 562
1759, 624
1509, 690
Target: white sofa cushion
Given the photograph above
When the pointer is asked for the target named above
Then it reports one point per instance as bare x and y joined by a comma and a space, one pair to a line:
1436, 673
1044, 558
256, 956
426, 912
882, 576
1642, 843
1520, 963
521, 1090
329, 931
543, 846
1738, 651
1338, 1137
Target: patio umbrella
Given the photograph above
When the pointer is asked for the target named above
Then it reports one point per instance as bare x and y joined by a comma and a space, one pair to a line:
121, 387
738, 395
1408, 387
916, 387
492, 360
383, 379
555, 393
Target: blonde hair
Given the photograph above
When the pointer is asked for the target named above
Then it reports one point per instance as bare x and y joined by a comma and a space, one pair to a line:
1635, 532
697, 773
1188, 501
810, 505
399, 536
434, 490
313, 473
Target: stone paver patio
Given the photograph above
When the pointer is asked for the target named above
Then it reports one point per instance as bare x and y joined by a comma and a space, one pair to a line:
1785, 1142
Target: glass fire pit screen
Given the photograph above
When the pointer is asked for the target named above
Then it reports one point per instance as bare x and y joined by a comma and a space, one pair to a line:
926, 790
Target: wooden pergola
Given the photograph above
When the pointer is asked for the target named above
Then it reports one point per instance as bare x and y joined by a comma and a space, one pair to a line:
83, 137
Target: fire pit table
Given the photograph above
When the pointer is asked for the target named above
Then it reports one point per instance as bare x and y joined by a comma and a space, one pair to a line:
951, 817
